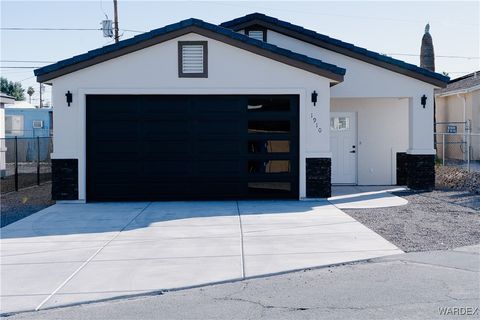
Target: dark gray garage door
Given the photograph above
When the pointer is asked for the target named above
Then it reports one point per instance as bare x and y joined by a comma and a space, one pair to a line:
154, 147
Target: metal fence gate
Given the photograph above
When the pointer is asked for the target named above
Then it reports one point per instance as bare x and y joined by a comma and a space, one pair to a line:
460, 148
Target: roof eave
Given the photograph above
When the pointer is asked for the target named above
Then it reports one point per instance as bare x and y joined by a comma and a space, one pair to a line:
335, 77
274, 27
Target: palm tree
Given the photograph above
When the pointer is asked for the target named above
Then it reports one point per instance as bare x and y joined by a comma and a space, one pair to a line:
30, 92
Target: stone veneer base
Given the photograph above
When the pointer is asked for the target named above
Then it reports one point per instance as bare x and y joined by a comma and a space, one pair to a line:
421, 172
64, 179
319, 175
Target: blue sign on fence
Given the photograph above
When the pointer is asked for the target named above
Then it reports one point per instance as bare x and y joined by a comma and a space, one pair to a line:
451, 129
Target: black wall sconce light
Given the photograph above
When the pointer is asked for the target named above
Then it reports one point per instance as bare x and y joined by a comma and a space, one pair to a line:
423, 101
69, 97
314, 97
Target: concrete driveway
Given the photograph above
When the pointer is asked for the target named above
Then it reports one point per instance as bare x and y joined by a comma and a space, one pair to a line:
73, 253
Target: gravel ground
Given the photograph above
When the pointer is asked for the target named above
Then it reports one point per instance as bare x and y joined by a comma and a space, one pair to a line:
437, 220
18, 205
462, 198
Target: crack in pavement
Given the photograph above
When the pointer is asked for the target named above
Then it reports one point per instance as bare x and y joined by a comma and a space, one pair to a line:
435, 265
295, 309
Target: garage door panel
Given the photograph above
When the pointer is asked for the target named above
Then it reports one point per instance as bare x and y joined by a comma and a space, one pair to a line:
175, 168
170, 127
116, 168
218, 147
169, 107
122, 129
155, 150
219, 105
153, 147
111, 105
126, 157
209, 189
119, 192
227, 127
208, 168
112, 147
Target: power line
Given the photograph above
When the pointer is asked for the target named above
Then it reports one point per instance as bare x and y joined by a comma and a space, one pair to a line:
26, 79
62, 29
436, 56
130, 30
48, 29
28, 61
21, 67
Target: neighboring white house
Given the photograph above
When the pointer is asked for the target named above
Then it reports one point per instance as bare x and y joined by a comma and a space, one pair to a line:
458, 110
4, 99
253, 108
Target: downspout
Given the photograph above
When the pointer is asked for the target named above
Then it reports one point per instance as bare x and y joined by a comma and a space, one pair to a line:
464, 107
465, 128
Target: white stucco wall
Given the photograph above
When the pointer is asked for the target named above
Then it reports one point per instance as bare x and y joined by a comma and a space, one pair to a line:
382, 130
364, 80
450, 108
154, 70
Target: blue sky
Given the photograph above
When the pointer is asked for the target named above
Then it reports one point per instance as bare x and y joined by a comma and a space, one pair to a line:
388, 27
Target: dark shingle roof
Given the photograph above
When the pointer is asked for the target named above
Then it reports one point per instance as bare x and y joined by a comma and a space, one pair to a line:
84, 58
339, 44
462, 83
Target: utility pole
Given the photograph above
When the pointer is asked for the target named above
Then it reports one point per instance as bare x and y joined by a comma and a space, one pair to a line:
116, 20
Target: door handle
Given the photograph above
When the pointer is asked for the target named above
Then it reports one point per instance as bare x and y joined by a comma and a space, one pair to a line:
353, 151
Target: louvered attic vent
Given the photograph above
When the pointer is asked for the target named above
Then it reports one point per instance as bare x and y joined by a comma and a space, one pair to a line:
256, 34
192, 59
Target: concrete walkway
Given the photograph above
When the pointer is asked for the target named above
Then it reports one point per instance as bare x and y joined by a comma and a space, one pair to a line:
73, 253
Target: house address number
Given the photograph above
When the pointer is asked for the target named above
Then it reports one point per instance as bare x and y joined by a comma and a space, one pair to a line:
315, 122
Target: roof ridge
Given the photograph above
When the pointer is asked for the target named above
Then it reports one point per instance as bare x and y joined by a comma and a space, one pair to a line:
336, 42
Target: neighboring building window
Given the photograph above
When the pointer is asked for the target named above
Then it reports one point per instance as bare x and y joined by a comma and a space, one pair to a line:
14, 125
192, 59
258, 33
37, 124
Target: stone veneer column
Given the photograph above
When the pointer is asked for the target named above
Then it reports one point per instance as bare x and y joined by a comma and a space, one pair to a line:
64, 179
319, 172
420, 171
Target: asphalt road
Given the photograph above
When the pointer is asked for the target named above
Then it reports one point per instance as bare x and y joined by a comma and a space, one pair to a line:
408, 286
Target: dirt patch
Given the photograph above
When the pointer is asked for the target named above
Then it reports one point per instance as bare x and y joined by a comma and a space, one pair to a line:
452, 178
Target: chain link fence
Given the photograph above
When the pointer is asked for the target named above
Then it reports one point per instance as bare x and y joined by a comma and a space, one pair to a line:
24, 162
458, 149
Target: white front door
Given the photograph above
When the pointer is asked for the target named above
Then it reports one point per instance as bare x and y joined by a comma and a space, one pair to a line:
343, 143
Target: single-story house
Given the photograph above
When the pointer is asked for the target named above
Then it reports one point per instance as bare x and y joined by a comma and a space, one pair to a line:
253, 108
4, 99
27, 121
458, 111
